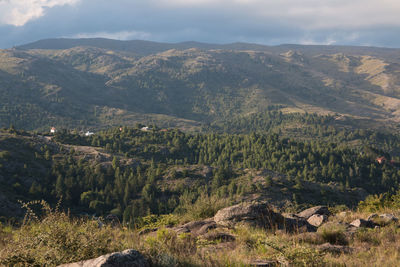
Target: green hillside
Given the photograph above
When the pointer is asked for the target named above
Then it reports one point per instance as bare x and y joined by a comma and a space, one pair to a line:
96, 83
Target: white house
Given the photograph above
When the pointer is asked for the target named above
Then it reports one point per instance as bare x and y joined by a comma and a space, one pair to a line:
53, 130
89, 133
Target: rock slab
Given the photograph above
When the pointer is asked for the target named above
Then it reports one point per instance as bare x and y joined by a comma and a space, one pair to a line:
126, 258
321, 210
317, 220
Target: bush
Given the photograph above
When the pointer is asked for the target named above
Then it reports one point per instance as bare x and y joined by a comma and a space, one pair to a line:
155, 221
55, 238
295, 254
374, 203
168, 248
204, 207
333, 233
368, 236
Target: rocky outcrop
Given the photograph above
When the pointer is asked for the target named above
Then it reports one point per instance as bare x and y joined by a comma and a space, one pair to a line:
260, 214
253, 213
126, 258
321, 210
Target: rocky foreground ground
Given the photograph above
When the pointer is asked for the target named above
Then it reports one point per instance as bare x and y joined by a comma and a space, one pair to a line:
324, 232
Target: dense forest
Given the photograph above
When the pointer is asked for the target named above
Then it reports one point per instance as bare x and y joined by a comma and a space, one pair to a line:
132, 172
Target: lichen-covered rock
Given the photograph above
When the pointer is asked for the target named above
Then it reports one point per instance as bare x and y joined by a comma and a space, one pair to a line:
126, 258
317, 220
321, 210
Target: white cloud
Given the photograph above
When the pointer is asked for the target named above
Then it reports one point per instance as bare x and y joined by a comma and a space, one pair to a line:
307, 14
121, 35
19, 12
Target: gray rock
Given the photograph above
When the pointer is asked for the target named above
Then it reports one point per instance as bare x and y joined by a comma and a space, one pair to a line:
321, 210
260, 214
388, 218
362, 223
126, 258
254, 213
335, 249
317, 220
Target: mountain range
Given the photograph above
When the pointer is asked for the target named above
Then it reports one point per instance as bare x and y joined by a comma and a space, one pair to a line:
96, 83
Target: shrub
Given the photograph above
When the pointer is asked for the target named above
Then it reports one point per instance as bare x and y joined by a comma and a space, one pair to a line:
55, 238
154, 221
333, 233
168, 248
204, 207
368, 236
374, 203
294, 254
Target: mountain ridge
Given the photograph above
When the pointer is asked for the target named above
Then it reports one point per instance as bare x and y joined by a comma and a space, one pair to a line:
113, 82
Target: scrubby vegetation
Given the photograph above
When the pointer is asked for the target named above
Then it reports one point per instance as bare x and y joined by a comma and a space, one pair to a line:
49, 237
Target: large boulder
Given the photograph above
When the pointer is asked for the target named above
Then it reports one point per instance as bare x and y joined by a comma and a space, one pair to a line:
253, 213
126, 258
317, 220
260, 214
321, 210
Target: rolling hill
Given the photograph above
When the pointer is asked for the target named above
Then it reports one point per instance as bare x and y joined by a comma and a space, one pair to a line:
96, 83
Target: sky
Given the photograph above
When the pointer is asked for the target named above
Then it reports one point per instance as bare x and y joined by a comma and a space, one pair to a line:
270, 22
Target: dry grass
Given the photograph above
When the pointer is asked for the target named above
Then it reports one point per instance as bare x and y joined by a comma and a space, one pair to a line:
55, 238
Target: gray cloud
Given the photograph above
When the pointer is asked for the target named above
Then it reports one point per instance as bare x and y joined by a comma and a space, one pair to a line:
356, 22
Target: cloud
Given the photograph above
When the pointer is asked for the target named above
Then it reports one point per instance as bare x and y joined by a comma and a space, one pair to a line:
121, 35
355, 22
19, 12
307, 14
